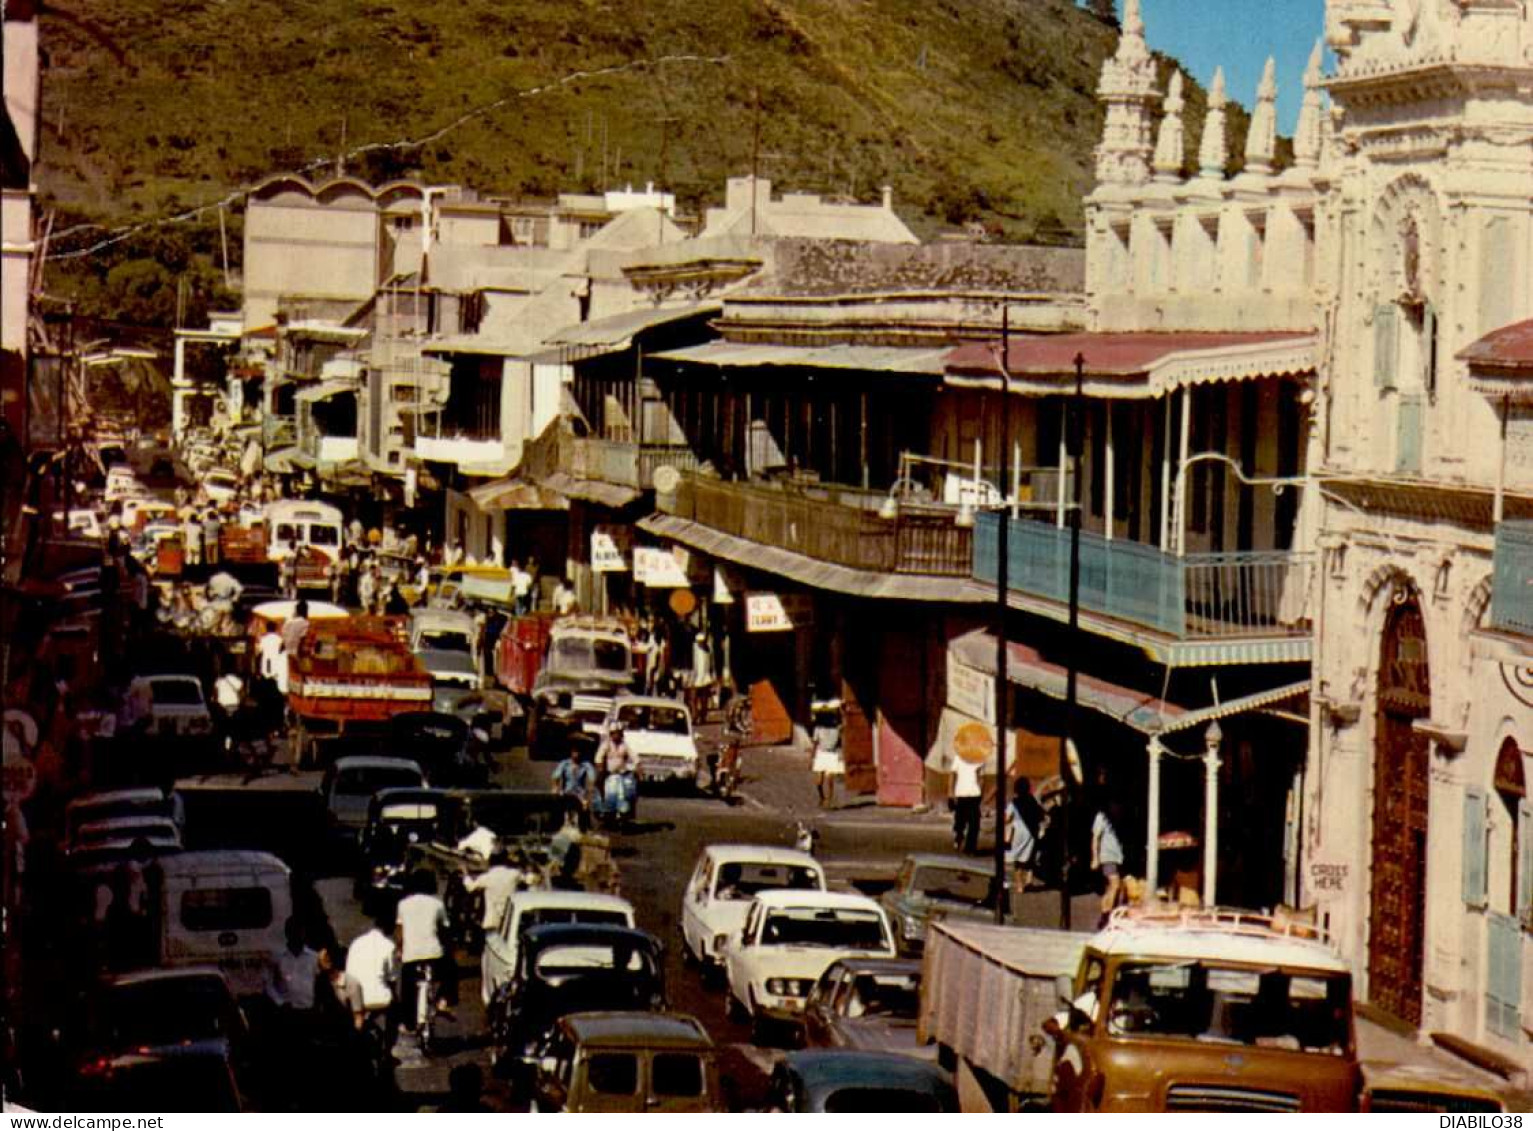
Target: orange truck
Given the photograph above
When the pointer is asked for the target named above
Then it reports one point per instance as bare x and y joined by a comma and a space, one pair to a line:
350, 674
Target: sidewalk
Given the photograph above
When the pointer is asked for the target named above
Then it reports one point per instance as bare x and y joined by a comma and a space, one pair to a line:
777, 778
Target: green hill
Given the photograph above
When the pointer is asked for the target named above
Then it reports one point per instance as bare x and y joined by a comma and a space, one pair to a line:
974, 110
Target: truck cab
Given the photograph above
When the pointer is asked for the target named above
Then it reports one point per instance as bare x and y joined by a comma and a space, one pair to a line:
1206, 1010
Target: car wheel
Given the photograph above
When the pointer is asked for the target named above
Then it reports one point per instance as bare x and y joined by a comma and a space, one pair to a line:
688, 958
761, 1026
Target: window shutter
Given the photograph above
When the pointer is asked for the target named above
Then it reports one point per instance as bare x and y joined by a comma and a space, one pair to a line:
1409, 424
1429, 344
1524, 860
1474, 847
1384, 323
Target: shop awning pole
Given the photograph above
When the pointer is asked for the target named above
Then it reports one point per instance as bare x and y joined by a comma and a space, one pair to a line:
1002, 585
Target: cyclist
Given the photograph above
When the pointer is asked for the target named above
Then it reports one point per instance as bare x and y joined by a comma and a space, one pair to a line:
424, 953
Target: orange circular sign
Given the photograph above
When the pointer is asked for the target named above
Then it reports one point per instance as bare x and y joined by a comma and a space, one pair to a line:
973, 742
683, 601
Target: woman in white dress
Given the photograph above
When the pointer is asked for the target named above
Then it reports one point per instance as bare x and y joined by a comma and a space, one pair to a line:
826, 762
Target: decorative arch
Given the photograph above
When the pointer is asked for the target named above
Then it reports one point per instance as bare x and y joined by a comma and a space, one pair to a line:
1384, 577
1406, 235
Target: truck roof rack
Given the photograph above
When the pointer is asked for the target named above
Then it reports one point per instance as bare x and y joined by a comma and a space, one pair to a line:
1223, 920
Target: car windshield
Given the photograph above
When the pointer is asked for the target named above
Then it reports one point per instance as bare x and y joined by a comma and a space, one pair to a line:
558, 963
952, 885
886, 995
665, 720
1232, 1005
176, 692
839, 927
582, 653
324, 535
743, 879
162, 1011
368, 780
444, 640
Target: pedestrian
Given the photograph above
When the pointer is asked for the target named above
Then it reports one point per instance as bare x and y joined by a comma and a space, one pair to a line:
229, 693
372, 967
210, 532
422, 579
394, 603
191, 536
497, 883
287, 575
701, 687
825, 760
1107, 857
564, 598
292, 979
273, 659
966, 802
575, 781
295, 628
367, 588
1024, 818
422, 928
521, 588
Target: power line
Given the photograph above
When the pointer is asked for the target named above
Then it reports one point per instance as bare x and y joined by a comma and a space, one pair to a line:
118, 235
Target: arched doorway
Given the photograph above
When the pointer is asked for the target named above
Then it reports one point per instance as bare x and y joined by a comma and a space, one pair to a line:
1397, 900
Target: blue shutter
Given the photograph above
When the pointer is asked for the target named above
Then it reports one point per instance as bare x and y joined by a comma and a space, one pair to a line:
1408, 440
1474, 847
1385, 321
1524, 860
1503, 975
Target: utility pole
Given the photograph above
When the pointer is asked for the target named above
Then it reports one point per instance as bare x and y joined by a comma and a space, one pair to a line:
1002, 585
1073, 442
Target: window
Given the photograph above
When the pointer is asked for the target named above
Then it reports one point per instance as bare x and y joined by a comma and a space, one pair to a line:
740, 881
823, 926
226, 909
676, 1074
613, 1073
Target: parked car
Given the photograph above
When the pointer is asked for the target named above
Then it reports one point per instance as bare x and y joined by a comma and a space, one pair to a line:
198, 1076
1423, 1089
788, 940
839, 1080
350, 782
396, 820
528, 909
220, 486
659, 732
727, 877
867, 1003
227, 908
117, 803
161, 830
931, 886
627, 1062
566, 968
167, 706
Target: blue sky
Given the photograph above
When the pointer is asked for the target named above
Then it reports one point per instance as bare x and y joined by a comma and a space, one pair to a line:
1239, 35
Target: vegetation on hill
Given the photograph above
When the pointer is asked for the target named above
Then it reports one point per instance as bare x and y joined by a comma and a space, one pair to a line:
973, 110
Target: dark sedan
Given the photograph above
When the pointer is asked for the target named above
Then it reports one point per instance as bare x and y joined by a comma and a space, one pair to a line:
569, 968
396, 819
867, 1003
838, 1080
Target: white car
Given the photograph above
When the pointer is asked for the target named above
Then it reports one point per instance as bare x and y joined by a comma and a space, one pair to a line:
789, 939
220, 486
659, 732
173, 704
533, 909
726, 879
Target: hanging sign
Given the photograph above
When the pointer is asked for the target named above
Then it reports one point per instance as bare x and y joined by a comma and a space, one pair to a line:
970, 690
777, 612
610, 546
661, 567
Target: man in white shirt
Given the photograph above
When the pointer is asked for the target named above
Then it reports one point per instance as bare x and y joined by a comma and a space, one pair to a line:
422, 928
273, 659
564, 598
293, 974
498, 884
1107, 858
521, 589
372, 963
966, 802
482, 842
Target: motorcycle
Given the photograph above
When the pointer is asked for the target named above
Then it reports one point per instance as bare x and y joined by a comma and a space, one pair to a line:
618, 799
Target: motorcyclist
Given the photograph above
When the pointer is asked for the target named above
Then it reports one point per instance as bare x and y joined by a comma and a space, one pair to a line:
620, 765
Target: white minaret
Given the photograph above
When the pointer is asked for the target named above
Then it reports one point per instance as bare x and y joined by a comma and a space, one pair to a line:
1212, 152
1127, 88
1261, 138
1171, 145
1306, 137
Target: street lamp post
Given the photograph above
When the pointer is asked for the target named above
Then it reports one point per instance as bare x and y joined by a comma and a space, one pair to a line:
1002, 585
1073, 440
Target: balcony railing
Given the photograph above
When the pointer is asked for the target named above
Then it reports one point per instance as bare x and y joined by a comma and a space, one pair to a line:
622, 462
1244, 594
818, 522
1511, 594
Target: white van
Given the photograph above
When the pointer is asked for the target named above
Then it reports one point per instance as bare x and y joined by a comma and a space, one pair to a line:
227, 908
293, 523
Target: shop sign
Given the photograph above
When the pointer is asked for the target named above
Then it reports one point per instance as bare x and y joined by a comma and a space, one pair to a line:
661, 567
970, 690
777, 612
725, 584
610, 546
1327, 880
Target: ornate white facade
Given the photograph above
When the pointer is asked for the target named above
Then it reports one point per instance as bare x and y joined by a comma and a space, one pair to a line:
1401, 235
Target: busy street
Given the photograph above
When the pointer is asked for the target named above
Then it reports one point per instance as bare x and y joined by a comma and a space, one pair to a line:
766, 556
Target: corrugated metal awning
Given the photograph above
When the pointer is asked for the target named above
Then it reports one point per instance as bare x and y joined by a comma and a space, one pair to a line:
616, 332
809, 571
514, 494
590, 490
327, 389
925, 362
1255, 701
1131, 365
